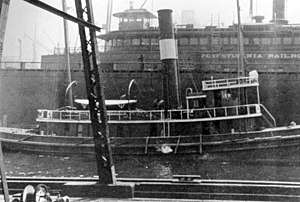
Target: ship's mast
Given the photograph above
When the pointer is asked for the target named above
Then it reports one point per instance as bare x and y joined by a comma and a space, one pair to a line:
251, 10
67, 53
109, 14
241, 63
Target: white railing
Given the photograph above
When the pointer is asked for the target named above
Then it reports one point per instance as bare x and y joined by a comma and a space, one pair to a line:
231, 82
241, 111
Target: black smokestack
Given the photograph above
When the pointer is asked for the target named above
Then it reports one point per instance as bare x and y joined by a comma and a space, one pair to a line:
168, 56
279, 12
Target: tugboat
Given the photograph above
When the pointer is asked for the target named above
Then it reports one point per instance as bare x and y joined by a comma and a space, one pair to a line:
214, 120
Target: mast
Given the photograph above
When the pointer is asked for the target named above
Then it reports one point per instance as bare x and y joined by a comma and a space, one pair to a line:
251, 10
109, 14
69, 79
241, 58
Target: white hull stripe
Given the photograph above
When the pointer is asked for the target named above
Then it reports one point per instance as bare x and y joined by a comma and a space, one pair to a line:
167, 49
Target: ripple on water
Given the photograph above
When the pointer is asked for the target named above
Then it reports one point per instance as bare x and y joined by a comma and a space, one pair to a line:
164, 166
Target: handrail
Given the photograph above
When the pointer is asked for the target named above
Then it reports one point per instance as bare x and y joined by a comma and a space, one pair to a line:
152, 115
230, 82
269, 114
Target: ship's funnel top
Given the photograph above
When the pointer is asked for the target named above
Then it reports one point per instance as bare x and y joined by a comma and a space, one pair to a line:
279, 12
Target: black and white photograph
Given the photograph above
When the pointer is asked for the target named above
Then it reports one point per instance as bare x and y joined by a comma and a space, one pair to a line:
149, 100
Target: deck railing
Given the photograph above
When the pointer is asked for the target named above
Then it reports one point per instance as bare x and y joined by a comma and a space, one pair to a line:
229, 83
229, 112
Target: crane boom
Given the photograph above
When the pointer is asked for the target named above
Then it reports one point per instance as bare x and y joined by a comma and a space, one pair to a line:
4, 6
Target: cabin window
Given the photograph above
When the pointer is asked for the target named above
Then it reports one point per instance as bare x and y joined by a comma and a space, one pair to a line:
184, 41
108, 45
195, 104
154, 42
225, 40
276, 41
233, 40
194, 41
287, 40
119, 42
265, 41
297, 40
127, 42
215, 41
109, 42
145, 42
203, 41
135, 42
114, 42
256, 41
246, 41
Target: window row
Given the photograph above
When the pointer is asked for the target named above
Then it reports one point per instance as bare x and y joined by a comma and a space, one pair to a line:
207, 41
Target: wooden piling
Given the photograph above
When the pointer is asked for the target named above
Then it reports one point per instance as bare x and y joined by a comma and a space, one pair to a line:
3, 177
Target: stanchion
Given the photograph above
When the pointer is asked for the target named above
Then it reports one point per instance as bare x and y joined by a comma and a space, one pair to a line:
3, 177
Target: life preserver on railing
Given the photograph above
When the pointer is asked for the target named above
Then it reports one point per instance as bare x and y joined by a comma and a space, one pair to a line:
49, 115
257, 108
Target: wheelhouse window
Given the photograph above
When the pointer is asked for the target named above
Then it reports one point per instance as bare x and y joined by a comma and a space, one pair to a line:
225, 41
276, 41
108, 45
256, 41
145, 41
184, 41
119, 42
246, 41
109, 42
215, 41
194, 41
114, 42
203, 41
233, 40
265, 41
287, 40
135, 42
297, 40
127, 42
154, 42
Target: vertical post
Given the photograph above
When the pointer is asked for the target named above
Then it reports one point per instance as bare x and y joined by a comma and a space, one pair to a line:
95, 94
168, 57
4, 7
241, 64
3, 177
251, 10
66, 32
200, 146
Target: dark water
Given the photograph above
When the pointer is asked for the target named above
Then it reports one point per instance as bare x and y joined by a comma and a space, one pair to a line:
263, 166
